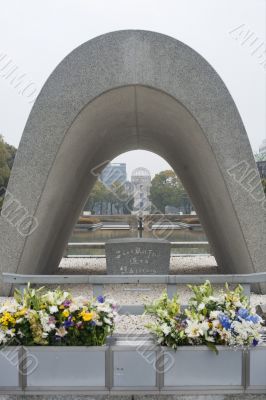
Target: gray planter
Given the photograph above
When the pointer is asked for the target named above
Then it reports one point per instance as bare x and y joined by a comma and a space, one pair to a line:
134, 365
67, 367
256, 374
9, 367
199, 367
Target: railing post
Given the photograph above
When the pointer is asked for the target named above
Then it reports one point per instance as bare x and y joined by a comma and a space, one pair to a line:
171, 290
97, 290
246, 289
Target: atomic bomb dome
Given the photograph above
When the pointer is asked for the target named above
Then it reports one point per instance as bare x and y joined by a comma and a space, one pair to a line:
141, 171
141, 182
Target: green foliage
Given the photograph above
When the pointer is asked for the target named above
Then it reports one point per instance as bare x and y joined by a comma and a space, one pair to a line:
116, 196
168, 328
29, 297
7, 156
166, 190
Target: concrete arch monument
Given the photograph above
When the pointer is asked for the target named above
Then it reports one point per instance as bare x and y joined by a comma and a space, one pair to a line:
121, 91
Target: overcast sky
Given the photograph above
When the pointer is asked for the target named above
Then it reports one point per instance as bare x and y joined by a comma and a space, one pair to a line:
230, 34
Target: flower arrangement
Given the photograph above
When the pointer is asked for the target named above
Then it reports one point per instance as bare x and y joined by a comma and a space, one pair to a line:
56, 318
224, 319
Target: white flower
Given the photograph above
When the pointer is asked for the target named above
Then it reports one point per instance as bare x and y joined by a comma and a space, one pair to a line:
216, 323
166, 329
214, 314
204, 326
193, 329
104, 307
216, 299
2, 337
61, 332
10, 333
10, 306
53, 309
201, 306
45, 321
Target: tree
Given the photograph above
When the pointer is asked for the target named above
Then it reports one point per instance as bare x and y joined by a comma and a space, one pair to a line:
167, 190
97, 196
263, 181
7, 155
108, 199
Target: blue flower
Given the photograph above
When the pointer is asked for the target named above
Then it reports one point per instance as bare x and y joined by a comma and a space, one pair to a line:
225, 321
243, 313
255, 342
100, 299
253, 318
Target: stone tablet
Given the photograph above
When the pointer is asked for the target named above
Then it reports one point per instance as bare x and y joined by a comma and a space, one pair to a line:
137, 256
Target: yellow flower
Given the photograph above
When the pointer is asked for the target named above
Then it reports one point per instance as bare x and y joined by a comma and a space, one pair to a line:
7, 318
21, 313
87, 316
61, 307
65, 313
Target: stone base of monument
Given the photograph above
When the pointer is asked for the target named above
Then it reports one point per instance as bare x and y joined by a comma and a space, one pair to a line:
137, 256
132, 366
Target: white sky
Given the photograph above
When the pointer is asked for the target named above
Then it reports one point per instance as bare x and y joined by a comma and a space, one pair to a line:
36, 35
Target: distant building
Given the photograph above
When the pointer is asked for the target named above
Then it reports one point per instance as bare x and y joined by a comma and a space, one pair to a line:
114, 173
141, 184
261, 159
262, 168
262, 148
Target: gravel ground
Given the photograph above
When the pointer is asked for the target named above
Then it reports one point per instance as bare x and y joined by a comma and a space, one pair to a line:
139, 294
182, 265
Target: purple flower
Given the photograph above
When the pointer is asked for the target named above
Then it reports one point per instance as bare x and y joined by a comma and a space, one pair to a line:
68, 322
67, 303
100, 299
255, 342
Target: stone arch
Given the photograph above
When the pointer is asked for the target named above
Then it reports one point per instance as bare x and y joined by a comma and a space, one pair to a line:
122, 91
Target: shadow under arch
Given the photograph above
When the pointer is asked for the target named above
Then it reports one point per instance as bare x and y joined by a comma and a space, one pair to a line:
123, 91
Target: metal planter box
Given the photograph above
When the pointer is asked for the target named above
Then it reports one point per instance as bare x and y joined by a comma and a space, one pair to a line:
67, 367
131, 366
10, 368
134, 365
256, 374
197, 367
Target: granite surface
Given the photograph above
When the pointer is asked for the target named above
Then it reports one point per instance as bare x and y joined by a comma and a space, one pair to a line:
118, 92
